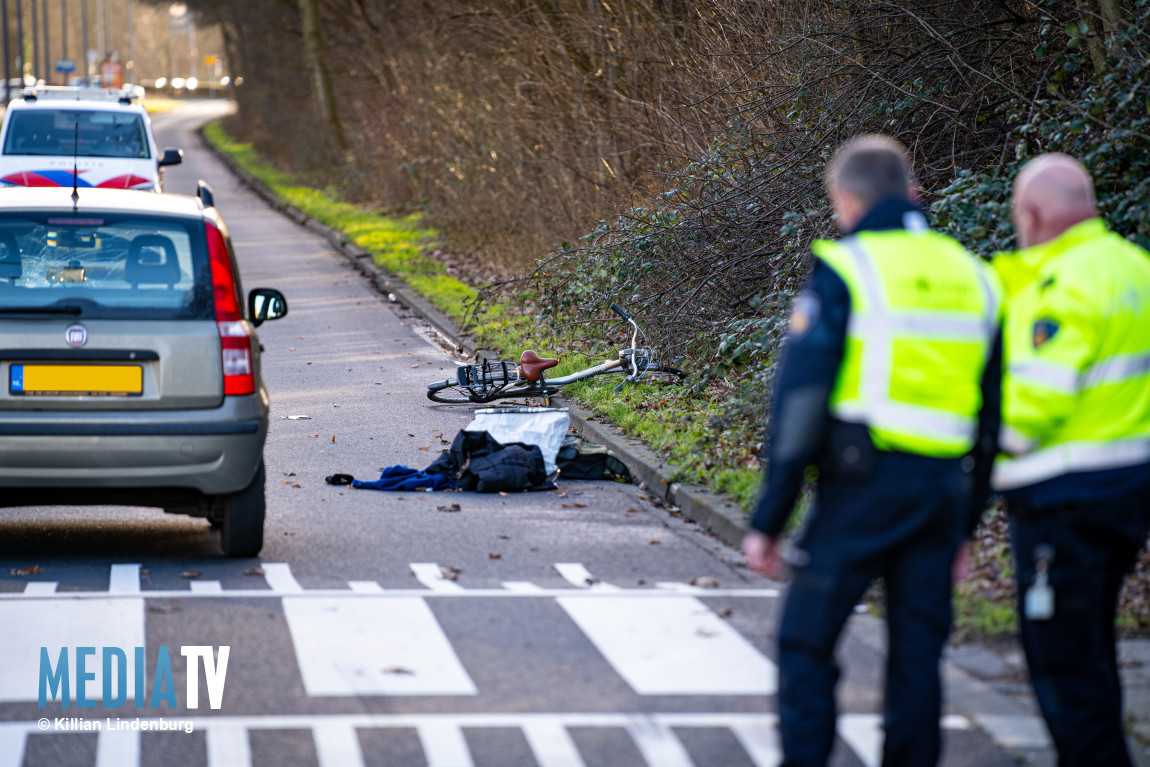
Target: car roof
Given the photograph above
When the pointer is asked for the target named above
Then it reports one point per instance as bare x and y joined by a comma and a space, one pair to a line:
22, 198
79, 103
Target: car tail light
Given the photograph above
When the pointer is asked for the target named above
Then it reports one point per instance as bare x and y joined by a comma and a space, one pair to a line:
235, 338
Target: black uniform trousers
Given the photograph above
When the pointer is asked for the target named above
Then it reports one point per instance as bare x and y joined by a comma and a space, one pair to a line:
1072, 657
903, 524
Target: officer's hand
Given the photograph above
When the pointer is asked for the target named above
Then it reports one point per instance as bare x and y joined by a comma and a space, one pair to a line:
960, 569
763, 555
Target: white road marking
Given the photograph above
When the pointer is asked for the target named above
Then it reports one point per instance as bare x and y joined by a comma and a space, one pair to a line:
54, 624
578, 575
537, 592
117, 748
682, 588
672, 646
207, 587
444, 745
441, 735
40, 588
12, 739
551, 744
124, 579
373, 646
365, 587
1015, 731
521, 587
279, 577
337, 745
228, 744
431, 576
658, 744
863, 733
760, 741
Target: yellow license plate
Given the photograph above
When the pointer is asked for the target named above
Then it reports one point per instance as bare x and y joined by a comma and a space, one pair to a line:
76, 380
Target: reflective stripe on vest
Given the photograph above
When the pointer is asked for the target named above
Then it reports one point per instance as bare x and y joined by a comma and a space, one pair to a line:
1066, 458
1066, 380
879, 326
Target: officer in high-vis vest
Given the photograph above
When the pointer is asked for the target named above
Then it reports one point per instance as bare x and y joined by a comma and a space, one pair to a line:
888, 387
1076, 433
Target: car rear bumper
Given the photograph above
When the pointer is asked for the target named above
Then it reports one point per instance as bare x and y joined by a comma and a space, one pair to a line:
213, 451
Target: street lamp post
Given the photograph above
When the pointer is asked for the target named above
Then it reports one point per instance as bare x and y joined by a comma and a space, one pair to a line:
35, 40
7, 52
47, 44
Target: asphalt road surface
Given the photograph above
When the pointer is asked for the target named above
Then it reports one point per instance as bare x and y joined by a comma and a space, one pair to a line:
566, 633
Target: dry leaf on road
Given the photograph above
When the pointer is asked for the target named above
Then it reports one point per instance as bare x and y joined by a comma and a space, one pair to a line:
493, 555
191, 574
254, 571
30, 570
451, 508
705, 582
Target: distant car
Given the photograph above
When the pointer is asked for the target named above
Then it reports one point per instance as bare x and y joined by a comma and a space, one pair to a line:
129, 358
96, 137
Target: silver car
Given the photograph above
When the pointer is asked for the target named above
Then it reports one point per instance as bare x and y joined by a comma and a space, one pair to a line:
129, 360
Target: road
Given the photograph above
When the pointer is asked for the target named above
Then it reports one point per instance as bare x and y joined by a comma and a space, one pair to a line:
570, 634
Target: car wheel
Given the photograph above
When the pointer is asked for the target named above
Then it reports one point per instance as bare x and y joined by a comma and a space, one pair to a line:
242, 519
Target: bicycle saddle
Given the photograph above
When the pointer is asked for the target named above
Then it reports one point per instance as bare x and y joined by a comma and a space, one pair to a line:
533, 365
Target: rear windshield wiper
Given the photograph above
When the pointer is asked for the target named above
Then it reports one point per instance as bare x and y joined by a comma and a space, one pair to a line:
65, 309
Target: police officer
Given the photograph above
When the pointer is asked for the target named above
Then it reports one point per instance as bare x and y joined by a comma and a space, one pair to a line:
889, 383
1076, 421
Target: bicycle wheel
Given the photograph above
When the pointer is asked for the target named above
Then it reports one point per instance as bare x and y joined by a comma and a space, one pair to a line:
449, 392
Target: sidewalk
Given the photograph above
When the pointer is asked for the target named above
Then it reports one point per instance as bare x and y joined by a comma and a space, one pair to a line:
989, 684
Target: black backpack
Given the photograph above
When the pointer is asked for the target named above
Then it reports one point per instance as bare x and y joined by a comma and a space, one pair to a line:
580, 459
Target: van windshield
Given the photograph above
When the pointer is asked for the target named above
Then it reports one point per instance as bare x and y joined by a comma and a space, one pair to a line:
86, 133
104, 267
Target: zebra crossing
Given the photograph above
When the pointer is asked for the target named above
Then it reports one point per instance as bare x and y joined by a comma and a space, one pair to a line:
367, 640
444, 737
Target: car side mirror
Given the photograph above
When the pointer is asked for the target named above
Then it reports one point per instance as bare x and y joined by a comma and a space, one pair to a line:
266, 304
172, 156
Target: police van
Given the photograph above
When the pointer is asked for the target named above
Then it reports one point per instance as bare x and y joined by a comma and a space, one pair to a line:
87, 137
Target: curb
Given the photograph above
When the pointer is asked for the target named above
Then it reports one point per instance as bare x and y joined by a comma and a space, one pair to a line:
713, 513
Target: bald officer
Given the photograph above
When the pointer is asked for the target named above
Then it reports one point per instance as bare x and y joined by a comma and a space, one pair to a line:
888, 384
1076, 427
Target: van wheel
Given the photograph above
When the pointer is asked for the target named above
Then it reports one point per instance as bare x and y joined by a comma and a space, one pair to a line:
242, 519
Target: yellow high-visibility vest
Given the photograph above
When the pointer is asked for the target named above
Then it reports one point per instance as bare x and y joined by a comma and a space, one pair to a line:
924, 313
1076, 392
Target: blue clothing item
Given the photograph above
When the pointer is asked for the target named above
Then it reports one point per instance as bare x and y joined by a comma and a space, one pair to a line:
904, 525
404, 478
1072, 657
1095, 487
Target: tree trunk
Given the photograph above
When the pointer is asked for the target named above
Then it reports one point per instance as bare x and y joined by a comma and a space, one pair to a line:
1088, 12
317, 68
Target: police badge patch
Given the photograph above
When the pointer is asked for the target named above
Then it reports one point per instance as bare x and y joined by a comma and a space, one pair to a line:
804, 314
1044, 330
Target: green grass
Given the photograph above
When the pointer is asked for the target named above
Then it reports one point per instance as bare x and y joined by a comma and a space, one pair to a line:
976, 616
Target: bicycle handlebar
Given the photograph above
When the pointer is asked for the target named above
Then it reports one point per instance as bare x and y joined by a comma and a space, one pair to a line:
615, 308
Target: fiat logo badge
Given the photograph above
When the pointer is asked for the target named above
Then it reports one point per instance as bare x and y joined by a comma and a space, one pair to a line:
77, 335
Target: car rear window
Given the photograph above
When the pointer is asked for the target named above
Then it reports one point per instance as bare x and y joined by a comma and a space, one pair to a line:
85, 133
104, 267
